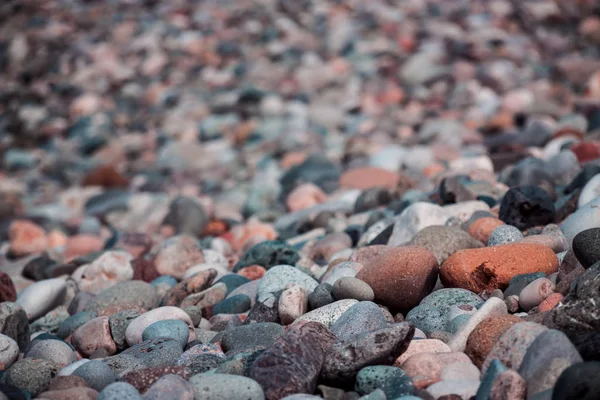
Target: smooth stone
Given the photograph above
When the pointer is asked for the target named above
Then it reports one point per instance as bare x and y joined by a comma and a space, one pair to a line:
379, 347
504, 234
321, 296
359, 318
463, 388
250, 289
328, 314
293, 363
443, 241
92, 336
70, 325
415, 218
119, 391
293, 303
105, 271
590, 191
454, 325
422, 346
56, 351
69, 369
352, 288
170, 387
14, 323
233, 281
519, 282
187, 216
169, 328
124, 363
486, 334
9, 352
97, 374
31, 374
586, 245
78, 393
493, 267
130, 294
401, 277
245, 337
279, 277
586, 217
508, 385
460, 371
136, 327
544, 379
176, 255
426, 368
535, 292
118, 323
159, 352
487, 381
222, 386
510, 349
40, 297
579, 381
492, 307
393, 381
143, 378
527, 206
268, 254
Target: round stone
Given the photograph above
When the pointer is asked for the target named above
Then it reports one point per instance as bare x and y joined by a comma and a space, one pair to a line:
9, 352
237, 304
504, 234
31, 374
119, 391
392, 380
169, 328
56, 351
96, 373
352, 288
586, 246
486, 334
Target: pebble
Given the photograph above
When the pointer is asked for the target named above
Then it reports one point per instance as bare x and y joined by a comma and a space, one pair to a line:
248, 336
527, 206
159, 352
359, 318
56, 351
293, 303
460, 371
124, 295
268, 254
391, 380
579, 380
493, 267
233, 305
94, 336
70, 394
9, 351
40, 297
31, 374
170, 386
426, 368
321, 296
352, 288
169, 328
143, 378
504, 234
97, 374
136, 328
222, 386
175, 256
277, 278
328, 314
492, 307
411, 271
585, 246
465, 389
535, 292
7, 288
111, 267
119, 391
443, 241
422, 346
485, 335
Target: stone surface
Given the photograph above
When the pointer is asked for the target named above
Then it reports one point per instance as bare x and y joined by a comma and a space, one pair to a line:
9, 351
508, 385
56, 351
249, 336
92, 336
268, 254
222, 386
422, 346
578, 381
7, 288
465, 389
492, 307
504, 234
170, 386
277, 278
159, 352
31, 374
142, 379
328, 314
97, 374
359, 318
111, 267
119, 391
493, 267
391, 380
293, 303
170, 328
136, 327
585, 246
426, 368
124, 295
486, 334
40, 297
527, 206
443, 241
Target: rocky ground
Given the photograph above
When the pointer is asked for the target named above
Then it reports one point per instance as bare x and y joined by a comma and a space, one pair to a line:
300, 199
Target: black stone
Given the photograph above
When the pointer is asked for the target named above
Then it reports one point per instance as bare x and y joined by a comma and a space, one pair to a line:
35, 268
372, 198
578, 382
586, 246
321, 296
186, 216
268, 254
527, 206
583, 177
588, 345
315, 169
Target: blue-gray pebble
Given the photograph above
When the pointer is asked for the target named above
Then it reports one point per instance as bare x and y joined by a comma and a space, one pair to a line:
97, 374
119, 391
504, 234
168, 328
392, 380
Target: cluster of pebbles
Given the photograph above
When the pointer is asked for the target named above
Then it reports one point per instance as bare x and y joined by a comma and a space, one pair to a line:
296, 199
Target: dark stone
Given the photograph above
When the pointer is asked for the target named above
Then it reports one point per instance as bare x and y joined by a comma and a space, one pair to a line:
453, 189
144, 270
161, 352
518, 283
31, 374
233, 281
7, 288
321, 296
586, 246
581, 307
144, 378
578, 382
360, 318
566, 205
383, 237
583, 177
118, 325
527, 206
268, 254
547, 346
35, 268
316, 169
264, 311
186, 216
354, 232
192, 285
245, 337
372, 198
588, 345
293, 363
69, 325
233, 305
393, 381
379, 347
14, 323
529, 172
79, 302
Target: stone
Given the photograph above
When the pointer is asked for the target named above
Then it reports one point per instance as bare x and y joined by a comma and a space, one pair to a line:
359, 318
233, 281
268, 254
305, 196
26, 238
123, 363
492, 307
352, 288
248, 336
201, 358
31, 374
93, 336
426, 368
504, 234
508, 385
493, 267
69, 369
124, 295
369, 177
586, 217
482, 228
321, 296
118, 326
590, 191
233, 305
535, 292
415, 218
82, 245
144, 378
169, 328
293, 363
411, 271
161, 352
279, 277
527, 206
144, 270
460, 371
106, 176
293, 303
422, 346
510, 349
9, 352
7, 288
56, 351
175, 256
188, 286
486, 334
393, 381
222, 386
186, 216
120, 391
136, 327
14, 323
578, 381
170, 387
463, 388
40, 297
70, 394
379, 347
111, 267
518, 282
328, 314
66, 382
487, 381
443, 241
585, 247
69, 325
97, 374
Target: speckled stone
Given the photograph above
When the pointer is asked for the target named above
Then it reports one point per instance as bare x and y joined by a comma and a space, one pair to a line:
359, 318
92, 336
392, 380
321, 296
268, 254
9, 352
118, 326
352, 288
31, 374
443, 241
14, 323
579, 381
144, 378
518, 283
279, 277
170, 387
128, 294
487, 381
328, 314
70, 394
486, 334
222, 386
69, 325
508, 385
504, 234
492, 307
233, 305
119, 391
56, 351
249, 336
422, 346
169, 328
97, 374
136, 327
159, 352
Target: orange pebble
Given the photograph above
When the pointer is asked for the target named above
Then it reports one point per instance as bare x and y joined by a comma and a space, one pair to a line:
253, 272
482, 228
550, 302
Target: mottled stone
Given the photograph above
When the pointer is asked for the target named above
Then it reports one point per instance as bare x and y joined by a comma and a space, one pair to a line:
127, 295
579, 381
222, 386
443, 241
170, 387
144, 378
136, 327
422, 346
426, 368
31, 374
7, 288
159, 352
92, 336
9, 351
175, 256
14, 323
486, 334
56, 351
293, 303
118, 326
119, 391
393, 381
508, 385
359, 318
328, 314
248, 336
268, 254
97, 374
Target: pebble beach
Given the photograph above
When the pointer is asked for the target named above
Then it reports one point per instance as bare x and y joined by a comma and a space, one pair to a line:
299, 199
